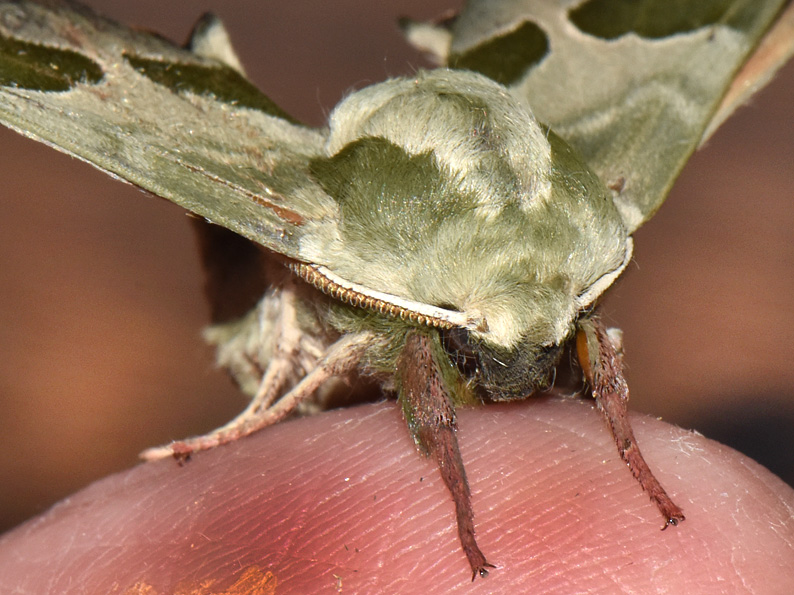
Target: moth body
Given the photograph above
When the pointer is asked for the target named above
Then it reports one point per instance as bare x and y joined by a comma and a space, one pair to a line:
450, 194
455, 208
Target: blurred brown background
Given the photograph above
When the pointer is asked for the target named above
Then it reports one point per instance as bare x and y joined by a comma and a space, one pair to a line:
100, 286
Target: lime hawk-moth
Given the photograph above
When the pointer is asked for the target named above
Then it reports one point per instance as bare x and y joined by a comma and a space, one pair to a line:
449, 233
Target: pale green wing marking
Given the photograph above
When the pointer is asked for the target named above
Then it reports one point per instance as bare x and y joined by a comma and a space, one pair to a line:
178, 124
631, 85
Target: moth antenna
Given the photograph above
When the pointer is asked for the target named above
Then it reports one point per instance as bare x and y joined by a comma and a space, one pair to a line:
384, 303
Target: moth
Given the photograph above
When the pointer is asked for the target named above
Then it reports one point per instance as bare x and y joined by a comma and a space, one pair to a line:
449, 234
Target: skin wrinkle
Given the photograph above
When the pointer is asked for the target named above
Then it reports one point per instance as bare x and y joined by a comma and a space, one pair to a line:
547, 484
368, 443
549, 447
754, 469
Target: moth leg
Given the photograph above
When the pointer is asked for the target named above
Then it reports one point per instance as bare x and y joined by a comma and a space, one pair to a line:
342, 357
286, 358
293, 355
271, 334
430, 415
603, 370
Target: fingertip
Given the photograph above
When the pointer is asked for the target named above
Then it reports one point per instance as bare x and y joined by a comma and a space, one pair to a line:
345, 494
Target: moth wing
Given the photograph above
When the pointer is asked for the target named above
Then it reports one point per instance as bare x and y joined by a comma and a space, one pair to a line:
631, 85
186, 126
772, 52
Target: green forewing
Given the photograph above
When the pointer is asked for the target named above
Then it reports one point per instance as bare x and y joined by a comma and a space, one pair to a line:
631, 84
181, 126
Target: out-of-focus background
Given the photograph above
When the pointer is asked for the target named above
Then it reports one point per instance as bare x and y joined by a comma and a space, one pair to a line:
101, 290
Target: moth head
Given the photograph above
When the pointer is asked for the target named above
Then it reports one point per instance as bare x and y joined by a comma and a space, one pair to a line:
451, 195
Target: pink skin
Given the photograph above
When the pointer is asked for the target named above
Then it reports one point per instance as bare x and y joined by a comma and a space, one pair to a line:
343, 501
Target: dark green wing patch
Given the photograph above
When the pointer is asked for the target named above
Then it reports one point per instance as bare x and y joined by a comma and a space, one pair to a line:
518, 51
653, 19
33, 66
219, 82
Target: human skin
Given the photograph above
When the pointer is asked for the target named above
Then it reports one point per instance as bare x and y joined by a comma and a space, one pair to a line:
342, 502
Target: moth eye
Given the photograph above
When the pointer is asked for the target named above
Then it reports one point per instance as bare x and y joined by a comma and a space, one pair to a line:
457, 345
